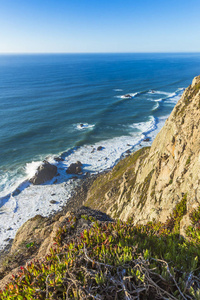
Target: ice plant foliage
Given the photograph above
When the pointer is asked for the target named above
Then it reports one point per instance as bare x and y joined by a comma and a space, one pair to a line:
114, 260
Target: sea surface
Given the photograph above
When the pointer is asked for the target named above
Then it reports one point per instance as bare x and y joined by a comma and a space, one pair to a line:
69, 104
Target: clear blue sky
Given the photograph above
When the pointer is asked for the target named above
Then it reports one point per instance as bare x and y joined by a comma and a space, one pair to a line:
46, 26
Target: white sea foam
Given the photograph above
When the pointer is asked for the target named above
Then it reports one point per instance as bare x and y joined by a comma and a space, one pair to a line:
158, 100
171, 97
10, 182
145, 127
33, 200
117, 90
128, 96
156, 106
83, 126
31, 168
17, 208
158, 92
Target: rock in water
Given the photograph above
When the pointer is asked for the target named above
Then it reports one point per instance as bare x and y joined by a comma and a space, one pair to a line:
146, 139
44, 173
99, 148
58, 159
74, 168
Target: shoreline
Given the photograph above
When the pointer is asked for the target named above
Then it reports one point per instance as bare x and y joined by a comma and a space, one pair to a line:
66, 192
10, 261
73, 204
52, 197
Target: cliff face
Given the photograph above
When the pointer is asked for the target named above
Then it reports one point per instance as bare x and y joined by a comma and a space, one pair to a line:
150, 183
146, 185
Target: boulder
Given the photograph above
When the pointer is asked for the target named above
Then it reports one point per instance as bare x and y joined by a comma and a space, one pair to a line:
44, 173
127, 96
146, 139
99, 148
74, 168
128, 151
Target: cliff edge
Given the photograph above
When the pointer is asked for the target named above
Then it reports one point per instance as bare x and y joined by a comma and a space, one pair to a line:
87, 255
149, 183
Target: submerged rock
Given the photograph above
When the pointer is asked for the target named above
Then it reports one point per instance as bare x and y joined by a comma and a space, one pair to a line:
44, 173
128, 151
127, 96
58, 158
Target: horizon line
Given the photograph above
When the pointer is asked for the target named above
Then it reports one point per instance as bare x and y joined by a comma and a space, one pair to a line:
142, 52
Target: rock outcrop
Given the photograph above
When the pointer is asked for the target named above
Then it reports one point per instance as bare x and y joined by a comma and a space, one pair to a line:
146, 185
36, 236
149, 183
44, 173
74, 168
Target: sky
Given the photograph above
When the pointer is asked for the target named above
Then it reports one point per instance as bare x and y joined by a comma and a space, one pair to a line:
95, 26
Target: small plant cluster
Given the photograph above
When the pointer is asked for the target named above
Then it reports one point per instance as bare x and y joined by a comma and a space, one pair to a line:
114, 260
195, 216
188, 160
193, 232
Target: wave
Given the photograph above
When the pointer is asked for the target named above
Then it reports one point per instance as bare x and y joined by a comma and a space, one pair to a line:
83, 126
128, 95
145, 127
158, 92
31, 168
171, 97
156, 107
26, 200
117, 90
10, 181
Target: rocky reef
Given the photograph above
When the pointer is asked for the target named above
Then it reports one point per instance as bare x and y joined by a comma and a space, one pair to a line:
137, 235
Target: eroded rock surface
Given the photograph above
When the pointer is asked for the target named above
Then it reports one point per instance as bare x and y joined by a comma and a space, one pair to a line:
44, 173
149, 183
36, 237
74, 168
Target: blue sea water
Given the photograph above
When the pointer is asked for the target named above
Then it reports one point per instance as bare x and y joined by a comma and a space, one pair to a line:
44, 99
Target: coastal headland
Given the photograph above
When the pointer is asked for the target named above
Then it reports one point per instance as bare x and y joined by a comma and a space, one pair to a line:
129, 233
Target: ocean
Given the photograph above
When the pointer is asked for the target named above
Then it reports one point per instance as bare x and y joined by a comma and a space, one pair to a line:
70, 104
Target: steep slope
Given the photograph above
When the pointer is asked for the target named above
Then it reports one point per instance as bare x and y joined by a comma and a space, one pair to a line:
150, 183
75, 256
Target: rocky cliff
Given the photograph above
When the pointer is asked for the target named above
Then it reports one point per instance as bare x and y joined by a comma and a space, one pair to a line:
149, 183
59, 257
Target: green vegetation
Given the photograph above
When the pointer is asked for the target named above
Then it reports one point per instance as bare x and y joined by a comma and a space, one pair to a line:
190, 94
197, 87
188, 161
110, 182
30, 245
178, 213
171, 181
195, 216
193, 232
115, 260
